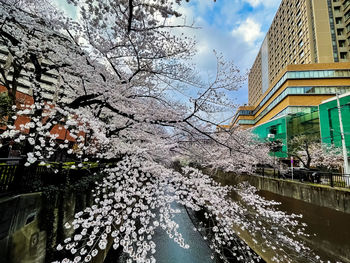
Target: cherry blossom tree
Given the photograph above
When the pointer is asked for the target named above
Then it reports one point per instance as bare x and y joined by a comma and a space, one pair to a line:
119, 68
137, 196
243, 153
311, 153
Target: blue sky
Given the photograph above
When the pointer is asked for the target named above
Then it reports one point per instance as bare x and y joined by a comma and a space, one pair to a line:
235, 28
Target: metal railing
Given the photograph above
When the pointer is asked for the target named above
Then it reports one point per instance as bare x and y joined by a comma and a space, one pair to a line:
308, 176
16, 178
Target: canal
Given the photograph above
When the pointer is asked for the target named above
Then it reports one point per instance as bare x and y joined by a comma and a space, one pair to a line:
329, 229
167, 251
329, 234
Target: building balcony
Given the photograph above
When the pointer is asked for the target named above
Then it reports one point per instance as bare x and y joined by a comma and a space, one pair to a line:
346, 6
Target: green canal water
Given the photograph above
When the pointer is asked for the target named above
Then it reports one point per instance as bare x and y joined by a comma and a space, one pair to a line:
329, 234
170, 252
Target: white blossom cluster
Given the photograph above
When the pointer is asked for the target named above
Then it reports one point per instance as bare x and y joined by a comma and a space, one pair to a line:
135, 199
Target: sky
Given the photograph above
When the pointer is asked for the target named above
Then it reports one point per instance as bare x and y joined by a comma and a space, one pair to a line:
234, 28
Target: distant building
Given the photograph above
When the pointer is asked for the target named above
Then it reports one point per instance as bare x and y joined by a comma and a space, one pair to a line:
303, 61
302, 32
48, 81
297, 88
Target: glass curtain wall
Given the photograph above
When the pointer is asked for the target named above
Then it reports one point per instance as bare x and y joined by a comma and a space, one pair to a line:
330, 126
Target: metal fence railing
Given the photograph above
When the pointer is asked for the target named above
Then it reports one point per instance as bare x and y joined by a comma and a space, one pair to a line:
308, 176
15, 177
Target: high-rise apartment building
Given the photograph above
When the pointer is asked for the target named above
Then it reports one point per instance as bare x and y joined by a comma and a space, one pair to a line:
303, 61
48, 80
302, 32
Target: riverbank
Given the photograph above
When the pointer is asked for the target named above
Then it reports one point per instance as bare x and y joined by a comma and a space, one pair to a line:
316, 194
327, 226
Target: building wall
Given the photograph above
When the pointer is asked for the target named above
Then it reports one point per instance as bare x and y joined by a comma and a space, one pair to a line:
49, 80
294, 100
302, 32
318, 81
322, 31
255, 81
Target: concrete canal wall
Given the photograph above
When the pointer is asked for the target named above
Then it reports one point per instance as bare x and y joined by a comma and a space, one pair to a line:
325, 210
32, 224
321, 195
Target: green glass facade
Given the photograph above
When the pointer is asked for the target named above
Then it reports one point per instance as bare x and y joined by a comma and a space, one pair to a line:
329, 119
298, 121
277, 127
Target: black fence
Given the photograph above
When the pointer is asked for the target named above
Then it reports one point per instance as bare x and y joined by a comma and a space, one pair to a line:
308, 176
15, 177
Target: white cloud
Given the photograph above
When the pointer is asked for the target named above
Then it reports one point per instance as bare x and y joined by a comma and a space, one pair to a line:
267, 3
249, 30
254, 3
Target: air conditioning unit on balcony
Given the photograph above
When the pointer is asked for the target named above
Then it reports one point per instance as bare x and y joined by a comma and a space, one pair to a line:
271, 136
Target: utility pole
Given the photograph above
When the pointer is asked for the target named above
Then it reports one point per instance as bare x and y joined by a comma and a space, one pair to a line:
342, 134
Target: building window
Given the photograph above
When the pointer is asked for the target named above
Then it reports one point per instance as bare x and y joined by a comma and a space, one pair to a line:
299, 23
343, 55
301, 54
301, 43
340, 31
341, 43
300, 33
347, 15
338, 20
346, 3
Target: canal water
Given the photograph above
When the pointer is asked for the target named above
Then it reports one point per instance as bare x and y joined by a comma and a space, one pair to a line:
329, 229
329, 234
167, 251
170, 252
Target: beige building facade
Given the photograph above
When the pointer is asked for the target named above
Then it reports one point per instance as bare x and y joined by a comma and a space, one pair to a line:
302, 32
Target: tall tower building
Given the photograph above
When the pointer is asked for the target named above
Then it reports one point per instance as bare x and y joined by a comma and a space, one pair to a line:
303, 62
302, 32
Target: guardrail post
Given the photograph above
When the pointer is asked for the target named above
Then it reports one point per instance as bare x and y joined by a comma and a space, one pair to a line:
263, 171
332, 182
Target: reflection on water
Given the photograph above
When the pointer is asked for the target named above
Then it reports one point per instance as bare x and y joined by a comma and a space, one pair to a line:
170, 252
332, 228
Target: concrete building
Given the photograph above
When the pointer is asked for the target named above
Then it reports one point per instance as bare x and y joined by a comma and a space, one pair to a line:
303, 61
297, 87
49, 79
302, 32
